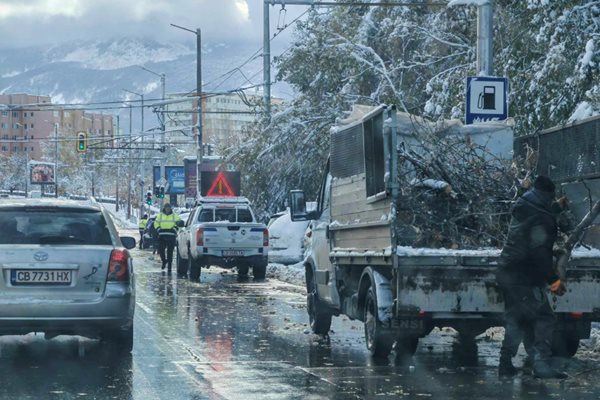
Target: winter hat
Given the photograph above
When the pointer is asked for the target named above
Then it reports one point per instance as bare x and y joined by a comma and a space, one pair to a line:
544, 184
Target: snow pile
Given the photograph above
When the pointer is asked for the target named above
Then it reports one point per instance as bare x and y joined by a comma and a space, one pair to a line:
586, 61
120, 217
293, 274
592, 345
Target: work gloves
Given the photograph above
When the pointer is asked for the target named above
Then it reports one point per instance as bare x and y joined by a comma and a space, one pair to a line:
558, 288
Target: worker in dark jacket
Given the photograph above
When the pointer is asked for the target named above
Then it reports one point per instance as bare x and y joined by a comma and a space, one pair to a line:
526, 270
166, 225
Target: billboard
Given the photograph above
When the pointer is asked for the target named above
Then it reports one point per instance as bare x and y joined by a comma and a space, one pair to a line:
41, 173
175, 177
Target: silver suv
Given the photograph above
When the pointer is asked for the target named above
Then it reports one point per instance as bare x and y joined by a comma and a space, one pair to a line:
65, 270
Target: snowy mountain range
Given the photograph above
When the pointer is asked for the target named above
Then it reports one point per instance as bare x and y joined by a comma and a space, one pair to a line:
91, 71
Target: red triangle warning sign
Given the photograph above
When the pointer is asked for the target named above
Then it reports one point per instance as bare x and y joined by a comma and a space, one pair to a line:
220, 187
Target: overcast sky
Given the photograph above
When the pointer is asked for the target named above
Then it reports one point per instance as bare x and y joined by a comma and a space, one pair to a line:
34, 22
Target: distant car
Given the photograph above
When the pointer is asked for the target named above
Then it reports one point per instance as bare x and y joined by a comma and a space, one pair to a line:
286, 239
65, 270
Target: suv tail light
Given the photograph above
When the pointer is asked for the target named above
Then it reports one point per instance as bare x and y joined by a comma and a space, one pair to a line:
200, 237
265, 237
118, 266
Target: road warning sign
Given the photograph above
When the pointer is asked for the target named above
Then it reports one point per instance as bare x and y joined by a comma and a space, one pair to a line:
220, 184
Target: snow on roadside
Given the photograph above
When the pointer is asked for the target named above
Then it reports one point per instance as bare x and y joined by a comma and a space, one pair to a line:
293, 274
120, 217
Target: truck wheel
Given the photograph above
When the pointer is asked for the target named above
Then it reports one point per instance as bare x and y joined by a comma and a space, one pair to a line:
564, 345
194, 268
182, 265
320, 321
379, 343
243, 270
259, 271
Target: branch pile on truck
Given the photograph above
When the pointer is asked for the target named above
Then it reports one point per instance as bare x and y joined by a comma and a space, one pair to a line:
407, 233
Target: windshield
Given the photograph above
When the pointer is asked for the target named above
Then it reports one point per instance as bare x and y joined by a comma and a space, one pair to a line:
53, 227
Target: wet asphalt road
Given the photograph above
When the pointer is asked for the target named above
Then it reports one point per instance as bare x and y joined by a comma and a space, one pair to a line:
229, 339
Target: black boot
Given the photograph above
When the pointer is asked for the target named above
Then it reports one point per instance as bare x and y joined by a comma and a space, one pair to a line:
169, 268
506, 368
542, 369
164, 264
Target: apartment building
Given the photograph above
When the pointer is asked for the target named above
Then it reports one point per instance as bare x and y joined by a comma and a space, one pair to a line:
23, 131
25, 124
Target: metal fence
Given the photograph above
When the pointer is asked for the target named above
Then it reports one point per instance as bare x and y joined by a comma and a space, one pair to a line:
565, 153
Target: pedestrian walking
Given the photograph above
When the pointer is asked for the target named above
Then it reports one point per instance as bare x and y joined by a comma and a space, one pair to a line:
525, 273
142, 227
166, 225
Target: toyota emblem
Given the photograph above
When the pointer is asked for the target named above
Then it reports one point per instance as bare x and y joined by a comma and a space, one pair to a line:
40, 256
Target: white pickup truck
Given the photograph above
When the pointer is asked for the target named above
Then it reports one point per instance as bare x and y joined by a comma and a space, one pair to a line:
222, 231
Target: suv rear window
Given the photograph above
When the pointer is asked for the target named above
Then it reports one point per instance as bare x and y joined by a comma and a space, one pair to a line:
53, 226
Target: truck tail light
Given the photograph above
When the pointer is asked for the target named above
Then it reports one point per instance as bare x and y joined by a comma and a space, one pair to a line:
118, 266
576, 314
265, 237
200, 237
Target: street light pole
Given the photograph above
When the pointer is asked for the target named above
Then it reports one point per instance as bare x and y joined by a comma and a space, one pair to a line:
199, 147
162, 126
56, 160
142, 152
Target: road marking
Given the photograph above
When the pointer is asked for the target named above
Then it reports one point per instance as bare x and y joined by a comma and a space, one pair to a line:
145, 308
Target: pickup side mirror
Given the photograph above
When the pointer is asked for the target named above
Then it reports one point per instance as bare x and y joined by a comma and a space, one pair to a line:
298, 210
128, 242
180, 223
298, 206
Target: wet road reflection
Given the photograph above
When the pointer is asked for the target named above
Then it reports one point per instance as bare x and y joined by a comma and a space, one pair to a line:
226, 338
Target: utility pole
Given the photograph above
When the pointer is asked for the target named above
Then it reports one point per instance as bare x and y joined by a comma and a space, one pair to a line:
199, 146
118, 170
56, 160
485, 43
267, 59
141, 170
129, 164
485, 34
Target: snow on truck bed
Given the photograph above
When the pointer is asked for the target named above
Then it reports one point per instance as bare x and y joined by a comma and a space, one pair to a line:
406, 251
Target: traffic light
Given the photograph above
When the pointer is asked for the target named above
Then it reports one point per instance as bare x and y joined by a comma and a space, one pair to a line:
156, 191
149, 198
161, 192
81, 142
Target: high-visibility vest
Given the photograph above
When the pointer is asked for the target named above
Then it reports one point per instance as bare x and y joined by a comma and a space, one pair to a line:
142, 224
166, 225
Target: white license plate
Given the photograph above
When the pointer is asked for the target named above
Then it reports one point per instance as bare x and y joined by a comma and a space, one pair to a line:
233, 253
28, 277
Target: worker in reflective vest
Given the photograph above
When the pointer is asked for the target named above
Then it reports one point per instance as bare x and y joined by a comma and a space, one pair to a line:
142, 227
166, 225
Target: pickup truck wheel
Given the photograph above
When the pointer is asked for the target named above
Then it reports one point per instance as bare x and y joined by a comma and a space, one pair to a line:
379, 343
194, 268
320, 321
259, 271
243, 270
182, 265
